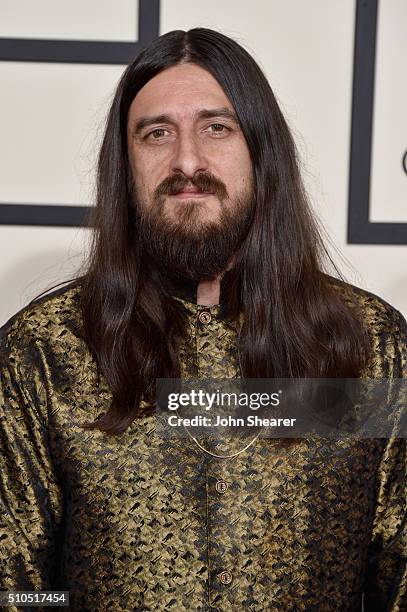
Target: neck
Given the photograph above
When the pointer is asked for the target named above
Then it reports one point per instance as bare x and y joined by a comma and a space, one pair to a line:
205, 292
208, 292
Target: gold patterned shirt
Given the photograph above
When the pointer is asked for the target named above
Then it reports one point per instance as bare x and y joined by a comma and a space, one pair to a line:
138, 522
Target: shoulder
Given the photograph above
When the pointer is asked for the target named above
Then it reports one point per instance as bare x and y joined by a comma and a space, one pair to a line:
386, 326
46, 319
378, 315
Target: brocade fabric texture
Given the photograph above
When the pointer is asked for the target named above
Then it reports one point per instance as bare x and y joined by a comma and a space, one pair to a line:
138, 522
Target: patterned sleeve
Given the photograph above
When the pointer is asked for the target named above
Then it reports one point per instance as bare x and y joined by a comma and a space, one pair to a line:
30, 496
386, 577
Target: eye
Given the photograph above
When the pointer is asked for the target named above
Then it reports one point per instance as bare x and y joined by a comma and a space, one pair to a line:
156, 133
218, 128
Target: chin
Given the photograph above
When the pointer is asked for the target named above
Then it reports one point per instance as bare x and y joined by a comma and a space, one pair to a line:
188, 210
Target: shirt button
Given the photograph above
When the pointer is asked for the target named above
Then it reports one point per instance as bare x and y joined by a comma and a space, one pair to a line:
221, 486
205, 317
225, 577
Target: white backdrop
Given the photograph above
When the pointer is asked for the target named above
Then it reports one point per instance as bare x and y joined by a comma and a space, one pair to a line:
52, 116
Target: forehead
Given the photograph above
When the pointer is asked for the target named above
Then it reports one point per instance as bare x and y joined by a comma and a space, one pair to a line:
179, 90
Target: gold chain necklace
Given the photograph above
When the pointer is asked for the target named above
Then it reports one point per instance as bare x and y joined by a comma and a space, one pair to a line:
223, 456
214, 454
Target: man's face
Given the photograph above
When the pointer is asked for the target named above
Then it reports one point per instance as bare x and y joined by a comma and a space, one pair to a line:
191, 170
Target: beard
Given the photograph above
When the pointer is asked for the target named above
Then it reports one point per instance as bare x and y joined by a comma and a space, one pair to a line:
186, 245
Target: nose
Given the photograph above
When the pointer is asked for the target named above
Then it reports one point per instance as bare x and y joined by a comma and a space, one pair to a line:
188, 156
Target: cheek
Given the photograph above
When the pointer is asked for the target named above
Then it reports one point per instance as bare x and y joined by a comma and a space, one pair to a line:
143, 178
238, 170
145, 175
247, 172
247, 165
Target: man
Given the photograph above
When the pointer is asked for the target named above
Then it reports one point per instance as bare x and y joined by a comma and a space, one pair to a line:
206, 263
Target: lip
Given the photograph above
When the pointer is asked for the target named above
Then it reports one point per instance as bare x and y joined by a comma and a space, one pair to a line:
183, 195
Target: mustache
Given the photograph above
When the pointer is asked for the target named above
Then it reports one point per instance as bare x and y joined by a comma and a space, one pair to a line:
203, 181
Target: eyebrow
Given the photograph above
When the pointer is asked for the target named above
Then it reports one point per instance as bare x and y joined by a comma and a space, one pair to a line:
205, 113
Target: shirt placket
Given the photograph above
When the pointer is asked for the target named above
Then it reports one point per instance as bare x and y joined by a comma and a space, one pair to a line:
214, 342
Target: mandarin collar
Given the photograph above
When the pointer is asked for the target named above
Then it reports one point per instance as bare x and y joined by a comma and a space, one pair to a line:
186, 290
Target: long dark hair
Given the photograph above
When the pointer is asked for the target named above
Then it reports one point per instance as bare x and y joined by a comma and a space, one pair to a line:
295, 320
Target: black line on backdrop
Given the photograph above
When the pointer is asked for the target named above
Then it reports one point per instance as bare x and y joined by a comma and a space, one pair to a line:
62, 51
85, 51
360, 229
